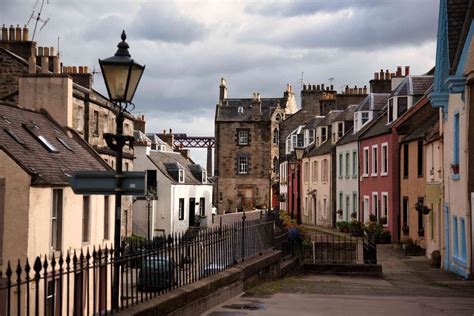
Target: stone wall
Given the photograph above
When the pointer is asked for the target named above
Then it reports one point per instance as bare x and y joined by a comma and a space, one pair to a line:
10, 70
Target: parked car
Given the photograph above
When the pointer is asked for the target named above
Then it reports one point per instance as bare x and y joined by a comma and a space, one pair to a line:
157, 273
214, 268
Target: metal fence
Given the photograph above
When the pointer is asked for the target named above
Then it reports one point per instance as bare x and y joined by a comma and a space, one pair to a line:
80, 283
340, 249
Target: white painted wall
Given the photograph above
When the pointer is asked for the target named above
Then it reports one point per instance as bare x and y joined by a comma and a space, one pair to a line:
347, 185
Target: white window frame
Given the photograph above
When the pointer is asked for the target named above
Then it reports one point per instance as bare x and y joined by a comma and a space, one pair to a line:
243, 138
181, 175
374, 208
374, 160
384, 157
243, 164
385, 199
315, 171
365, 166
366, 209
311, 135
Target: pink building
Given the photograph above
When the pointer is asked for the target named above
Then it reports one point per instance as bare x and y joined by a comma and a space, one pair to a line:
378, 170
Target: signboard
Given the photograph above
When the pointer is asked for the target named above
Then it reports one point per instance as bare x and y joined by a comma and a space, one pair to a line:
103, 182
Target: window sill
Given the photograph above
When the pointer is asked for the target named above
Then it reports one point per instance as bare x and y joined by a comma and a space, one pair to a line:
365, 175
455, 176
374, 175
354, 176
384, 174
348, 176
340, 177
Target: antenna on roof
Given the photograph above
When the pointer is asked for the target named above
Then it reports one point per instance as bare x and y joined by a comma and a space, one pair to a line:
38, 18
94, 72
302, 80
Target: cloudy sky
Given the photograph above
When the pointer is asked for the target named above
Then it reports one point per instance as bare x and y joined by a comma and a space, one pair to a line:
187, 46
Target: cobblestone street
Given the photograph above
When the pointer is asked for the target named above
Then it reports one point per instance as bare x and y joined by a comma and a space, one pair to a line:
409, 287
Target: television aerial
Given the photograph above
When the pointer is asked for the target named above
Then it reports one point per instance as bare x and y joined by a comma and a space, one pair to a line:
37, 17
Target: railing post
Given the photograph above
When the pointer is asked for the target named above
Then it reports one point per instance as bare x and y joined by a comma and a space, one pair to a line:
243, 237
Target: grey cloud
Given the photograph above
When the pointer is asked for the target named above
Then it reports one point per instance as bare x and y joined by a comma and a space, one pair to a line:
365, 28
300, 8
162, 21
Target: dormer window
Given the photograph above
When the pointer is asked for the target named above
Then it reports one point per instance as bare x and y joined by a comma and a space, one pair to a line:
153, 147
204, 176
240, 110
308, 137
181, 175
324, 134
390, 111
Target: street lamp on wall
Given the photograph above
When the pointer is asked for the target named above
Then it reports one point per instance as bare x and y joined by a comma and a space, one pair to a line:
299, 152
121, 76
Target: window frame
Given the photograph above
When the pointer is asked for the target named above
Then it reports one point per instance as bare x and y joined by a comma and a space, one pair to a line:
354, 163
385, 202
181, 209
374, 160
57, 220
241, 163
384, 159
243, 137
347, 164
365, 156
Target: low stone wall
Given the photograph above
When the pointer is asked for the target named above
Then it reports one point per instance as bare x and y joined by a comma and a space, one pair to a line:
374, 270
201, 296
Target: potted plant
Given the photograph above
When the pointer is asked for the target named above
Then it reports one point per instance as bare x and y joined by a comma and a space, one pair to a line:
412, 249
455, 168
405, 230
373, 218
383, 220
385, 237
355, 228
339, 213
420, 207
421, 232
354, 215
346, 227
281, 198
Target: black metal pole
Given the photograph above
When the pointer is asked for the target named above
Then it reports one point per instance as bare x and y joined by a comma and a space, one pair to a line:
298, 209
148, 226
118, 210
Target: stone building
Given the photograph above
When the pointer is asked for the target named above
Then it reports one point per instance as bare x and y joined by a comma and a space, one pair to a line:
246, 153
35, 77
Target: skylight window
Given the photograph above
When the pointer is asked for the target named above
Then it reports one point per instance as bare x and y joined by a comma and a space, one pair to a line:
13, 135
33, 130
62, 141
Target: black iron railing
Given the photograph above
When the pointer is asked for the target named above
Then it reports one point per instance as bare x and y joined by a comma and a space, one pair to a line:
80, 282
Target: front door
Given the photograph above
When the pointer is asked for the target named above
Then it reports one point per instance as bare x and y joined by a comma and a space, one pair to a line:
192, 211
248, 198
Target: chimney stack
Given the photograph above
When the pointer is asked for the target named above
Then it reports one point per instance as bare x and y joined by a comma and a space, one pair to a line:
139, 123
222, 91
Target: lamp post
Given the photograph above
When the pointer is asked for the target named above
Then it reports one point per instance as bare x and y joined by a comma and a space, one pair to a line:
148, 197
299, 151
121, 76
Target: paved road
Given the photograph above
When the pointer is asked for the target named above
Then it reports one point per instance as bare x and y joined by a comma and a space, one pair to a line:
409, 287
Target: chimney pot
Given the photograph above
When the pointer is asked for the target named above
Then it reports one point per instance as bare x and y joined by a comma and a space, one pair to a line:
4, 33
407, 70
171, 131
74, 69
360, 91
44, 64
164, 132
346, 90
365, 90
322, 86
81, 69
86, 69
387, 75
18, 33
399, 71
376, 76
11, 36
313, 87
25, 34
332, 87
304, 87
45, 51
56, 65
318, 87
40, 51
381, 74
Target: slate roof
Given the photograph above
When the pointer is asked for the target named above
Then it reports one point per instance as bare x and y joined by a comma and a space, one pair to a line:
228, 112
459, 15
347, 114
324, 148
71, 152
413, 85
167, 161
377, 127
314, 122
422, 130
349, 137
330, 117
373, 102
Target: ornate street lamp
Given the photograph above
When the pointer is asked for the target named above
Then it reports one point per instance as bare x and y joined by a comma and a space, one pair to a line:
299, 152
121, 76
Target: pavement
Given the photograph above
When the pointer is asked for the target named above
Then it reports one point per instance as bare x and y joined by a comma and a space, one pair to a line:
410, 286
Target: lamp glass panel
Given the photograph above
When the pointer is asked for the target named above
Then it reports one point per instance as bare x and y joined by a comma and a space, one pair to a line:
115, 77
136, 73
